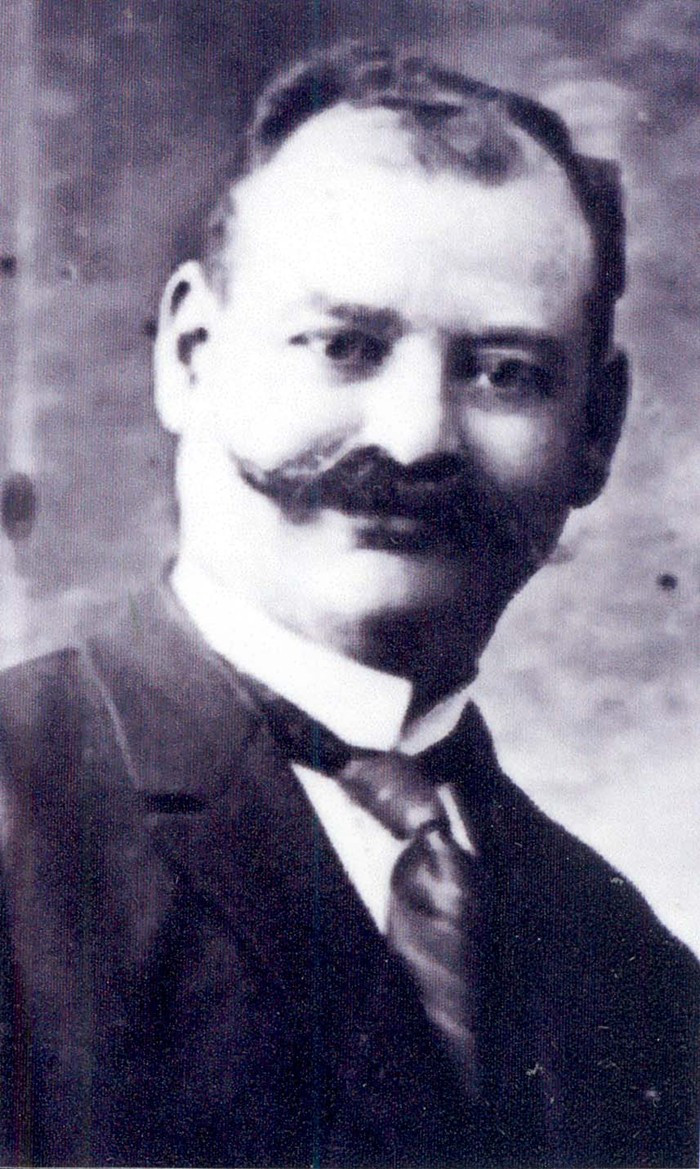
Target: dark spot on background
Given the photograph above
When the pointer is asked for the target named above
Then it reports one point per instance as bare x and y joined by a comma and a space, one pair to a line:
667, 581
19, 503
150, 327
8, 265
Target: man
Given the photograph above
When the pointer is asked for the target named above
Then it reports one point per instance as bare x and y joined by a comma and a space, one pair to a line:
269, 898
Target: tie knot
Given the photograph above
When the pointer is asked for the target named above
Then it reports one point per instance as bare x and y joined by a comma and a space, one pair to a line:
394, 789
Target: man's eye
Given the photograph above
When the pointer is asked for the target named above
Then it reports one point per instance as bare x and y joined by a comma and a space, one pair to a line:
349, 350
507, 375
515, 376
353, 348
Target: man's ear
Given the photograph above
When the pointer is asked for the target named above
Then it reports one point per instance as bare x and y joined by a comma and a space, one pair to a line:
606, 405
184, 322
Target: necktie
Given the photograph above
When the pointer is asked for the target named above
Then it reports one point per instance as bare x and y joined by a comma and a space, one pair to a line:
434, 919
433, 922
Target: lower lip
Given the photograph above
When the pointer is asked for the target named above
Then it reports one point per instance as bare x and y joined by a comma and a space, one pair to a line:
401, 535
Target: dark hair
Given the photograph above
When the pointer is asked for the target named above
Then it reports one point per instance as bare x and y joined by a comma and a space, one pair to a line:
455, 121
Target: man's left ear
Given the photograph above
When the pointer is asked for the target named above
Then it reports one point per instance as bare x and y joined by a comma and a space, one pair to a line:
606, 405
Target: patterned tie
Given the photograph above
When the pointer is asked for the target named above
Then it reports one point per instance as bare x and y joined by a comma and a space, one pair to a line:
433, 922
434, 919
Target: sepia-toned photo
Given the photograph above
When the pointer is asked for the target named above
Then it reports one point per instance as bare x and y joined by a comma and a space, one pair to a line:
349, 583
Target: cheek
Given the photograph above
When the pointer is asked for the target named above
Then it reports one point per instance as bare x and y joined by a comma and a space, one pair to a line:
518, 450
269, 408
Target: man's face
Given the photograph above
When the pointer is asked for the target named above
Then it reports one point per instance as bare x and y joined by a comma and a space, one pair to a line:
384, 419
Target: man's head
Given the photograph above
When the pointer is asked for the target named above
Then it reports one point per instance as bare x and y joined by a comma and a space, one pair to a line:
390, 373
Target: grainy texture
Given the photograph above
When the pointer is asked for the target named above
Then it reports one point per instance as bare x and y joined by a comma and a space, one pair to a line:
115, 120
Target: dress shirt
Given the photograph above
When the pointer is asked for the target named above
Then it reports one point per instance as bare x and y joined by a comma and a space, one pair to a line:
364, 707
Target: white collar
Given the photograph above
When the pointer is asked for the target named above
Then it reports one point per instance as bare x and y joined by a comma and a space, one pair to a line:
362, 706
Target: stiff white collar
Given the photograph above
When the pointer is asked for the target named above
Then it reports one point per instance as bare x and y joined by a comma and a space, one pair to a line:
364, 707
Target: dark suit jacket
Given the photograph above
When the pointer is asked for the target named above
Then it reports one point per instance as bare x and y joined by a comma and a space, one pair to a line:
188, 978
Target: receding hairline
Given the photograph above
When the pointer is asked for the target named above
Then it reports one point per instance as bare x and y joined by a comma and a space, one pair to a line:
368, 75
390, 141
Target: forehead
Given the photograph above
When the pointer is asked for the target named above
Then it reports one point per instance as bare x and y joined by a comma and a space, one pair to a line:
345, 214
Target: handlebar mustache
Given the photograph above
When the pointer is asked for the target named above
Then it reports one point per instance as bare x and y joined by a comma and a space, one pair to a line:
363, 482
439, 492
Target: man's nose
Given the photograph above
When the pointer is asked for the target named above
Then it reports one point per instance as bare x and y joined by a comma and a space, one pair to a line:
407, 413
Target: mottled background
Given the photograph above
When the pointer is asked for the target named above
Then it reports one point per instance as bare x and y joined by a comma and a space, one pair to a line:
116, 118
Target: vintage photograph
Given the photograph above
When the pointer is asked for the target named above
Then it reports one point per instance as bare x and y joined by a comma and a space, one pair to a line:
349, 583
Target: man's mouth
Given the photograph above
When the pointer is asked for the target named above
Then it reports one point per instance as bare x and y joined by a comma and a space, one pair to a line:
408, 535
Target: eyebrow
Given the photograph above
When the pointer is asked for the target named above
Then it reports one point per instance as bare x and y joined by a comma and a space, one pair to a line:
384, 321
543, 343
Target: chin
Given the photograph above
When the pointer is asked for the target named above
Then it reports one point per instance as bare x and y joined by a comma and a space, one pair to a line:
365, 583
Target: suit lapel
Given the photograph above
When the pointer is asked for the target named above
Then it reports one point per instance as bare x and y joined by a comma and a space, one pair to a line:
521, 1023
222, 806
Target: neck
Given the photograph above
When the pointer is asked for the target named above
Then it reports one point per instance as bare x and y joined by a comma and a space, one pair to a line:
364, 706
428, 650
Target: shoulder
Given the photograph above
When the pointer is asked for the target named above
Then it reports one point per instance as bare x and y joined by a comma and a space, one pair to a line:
42, 705
595, 936
141, 690
574, 882
617, 994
